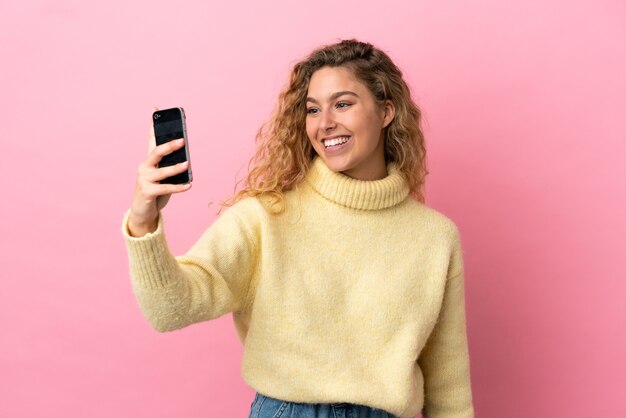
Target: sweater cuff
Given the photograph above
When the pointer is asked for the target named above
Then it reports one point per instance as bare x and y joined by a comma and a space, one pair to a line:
150, 260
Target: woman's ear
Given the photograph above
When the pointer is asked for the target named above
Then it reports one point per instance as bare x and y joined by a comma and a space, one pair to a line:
390, 113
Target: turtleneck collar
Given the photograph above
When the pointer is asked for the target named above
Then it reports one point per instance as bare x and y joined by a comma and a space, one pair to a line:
358, 194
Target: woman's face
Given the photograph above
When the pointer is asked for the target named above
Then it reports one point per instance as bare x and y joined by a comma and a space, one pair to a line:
345, 124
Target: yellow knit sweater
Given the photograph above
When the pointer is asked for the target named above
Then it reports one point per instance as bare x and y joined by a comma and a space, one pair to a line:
354, 294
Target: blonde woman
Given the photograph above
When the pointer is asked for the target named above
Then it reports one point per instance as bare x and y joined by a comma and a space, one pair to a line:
346, 291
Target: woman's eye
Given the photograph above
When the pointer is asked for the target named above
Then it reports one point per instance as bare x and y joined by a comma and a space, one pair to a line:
343, 104
311, 110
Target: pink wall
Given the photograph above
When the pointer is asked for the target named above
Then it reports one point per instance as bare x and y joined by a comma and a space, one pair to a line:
524, 113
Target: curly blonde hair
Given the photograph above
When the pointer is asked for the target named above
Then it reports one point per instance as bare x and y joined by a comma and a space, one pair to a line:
284, 152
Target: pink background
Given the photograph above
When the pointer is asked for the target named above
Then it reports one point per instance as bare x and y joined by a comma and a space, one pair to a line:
524, 108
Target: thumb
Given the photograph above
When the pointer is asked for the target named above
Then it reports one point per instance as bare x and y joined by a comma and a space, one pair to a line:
162, 201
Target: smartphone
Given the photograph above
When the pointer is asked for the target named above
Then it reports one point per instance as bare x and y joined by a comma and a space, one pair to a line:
169, 124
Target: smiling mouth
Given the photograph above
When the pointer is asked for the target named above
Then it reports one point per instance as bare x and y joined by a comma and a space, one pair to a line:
335, 142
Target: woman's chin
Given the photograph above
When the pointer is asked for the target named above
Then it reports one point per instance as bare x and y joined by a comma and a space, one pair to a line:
335, 163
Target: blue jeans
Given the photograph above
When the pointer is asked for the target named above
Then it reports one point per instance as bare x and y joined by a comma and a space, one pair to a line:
266, 407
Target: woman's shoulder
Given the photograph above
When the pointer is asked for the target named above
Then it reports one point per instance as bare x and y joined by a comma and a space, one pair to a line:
432, 218
255, 210
248, 208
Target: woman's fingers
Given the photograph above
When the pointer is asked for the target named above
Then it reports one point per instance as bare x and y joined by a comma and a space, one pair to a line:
162, 150
152, 190
166, 189
158, 174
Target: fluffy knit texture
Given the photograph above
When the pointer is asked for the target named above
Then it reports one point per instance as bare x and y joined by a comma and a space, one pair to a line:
354, 294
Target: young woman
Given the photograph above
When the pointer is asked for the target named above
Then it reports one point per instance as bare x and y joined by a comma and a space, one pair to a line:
346, 291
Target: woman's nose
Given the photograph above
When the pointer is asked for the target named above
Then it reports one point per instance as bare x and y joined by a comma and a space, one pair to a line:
327, 121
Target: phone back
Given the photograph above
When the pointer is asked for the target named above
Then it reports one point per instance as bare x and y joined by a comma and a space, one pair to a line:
169, 124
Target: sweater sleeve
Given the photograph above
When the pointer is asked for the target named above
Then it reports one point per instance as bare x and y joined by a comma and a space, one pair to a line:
445, 358
210, 280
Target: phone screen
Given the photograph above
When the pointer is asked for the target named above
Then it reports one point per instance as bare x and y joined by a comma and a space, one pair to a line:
169, 124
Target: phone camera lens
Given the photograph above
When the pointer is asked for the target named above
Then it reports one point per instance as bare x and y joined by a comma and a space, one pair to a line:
156, 116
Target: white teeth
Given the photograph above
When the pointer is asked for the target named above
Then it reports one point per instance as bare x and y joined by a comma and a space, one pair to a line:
336, 141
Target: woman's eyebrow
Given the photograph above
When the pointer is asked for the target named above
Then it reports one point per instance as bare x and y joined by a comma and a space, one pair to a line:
334, 95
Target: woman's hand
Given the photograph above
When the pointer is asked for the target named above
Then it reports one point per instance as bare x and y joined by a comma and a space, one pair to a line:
150, 196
